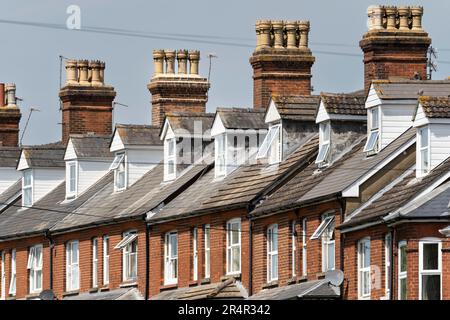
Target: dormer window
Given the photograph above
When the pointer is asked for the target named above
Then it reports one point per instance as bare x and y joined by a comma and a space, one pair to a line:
424, 151
220, 144
324, 141
271, 146
118, 166
27, 188
71, 180
371, 146
170, 147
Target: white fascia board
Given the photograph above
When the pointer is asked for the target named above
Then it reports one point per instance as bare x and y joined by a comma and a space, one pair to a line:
347, 117
426, 121
353, 190
23, 162
272, 113
165, 128
217, 127
322, 114
422, 122
433, 186
70, 153
116, 143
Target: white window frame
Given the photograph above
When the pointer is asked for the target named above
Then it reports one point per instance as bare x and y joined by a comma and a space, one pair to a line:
207, 251
232, 246
69, 179
272, 253
27, 188
324, 142
373, 146
402, 275
328, 241
422, 170
34, 266
304, 248
363, 270
220, 143
170, 158
119, 166
13, 278
387, 264
267, 146
72, 266
3, 277
127, 244
170, 258
195, 254
105, 260
322, 227
94, 263
431, 272
293, 249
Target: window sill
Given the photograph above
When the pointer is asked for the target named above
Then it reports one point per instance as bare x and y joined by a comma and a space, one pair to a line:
128, 284
71, 293
11, 298
193, 283
302, 279
270, 285
105, 288
32, 296
93, 290
236, 276
205, 281
320, 275
168, 287
292, 280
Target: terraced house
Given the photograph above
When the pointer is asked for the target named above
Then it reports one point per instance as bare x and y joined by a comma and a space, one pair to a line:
303, 196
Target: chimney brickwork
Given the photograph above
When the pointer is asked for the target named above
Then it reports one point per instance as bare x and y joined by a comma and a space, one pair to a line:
177, 91
87, 103
281, 61
9, 116
395, 44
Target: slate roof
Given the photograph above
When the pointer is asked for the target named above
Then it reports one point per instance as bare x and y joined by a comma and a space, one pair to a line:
345, 103
297, 107
9, 157
404, 191
315, 289
250, 181
137, 200
435, 107
137, 135
410, 89
312, 184
240, 118
185, 121
91, 146
229, 289
117, 294
45, 156
9, 193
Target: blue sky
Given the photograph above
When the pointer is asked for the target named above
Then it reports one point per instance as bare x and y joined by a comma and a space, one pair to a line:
29, 55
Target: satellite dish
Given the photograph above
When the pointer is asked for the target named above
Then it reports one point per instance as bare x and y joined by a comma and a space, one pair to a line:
335, 277
47, 295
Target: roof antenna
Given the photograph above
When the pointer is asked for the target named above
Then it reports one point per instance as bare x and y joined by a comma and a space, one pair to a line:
431, 64
26, 124
210, 56
117, 104
61, 59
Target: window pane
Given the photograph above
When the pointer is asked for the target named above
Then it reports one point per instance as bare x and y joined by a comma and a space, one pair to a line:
323, 152
403, 261
375, 121
171, 147
72, 177
171, 167
403, 289
423, 137
372, 142
366, 279
173, 246
330, 261
431, 287
235, 258
366, 254
430, 256
27, 178
27, 197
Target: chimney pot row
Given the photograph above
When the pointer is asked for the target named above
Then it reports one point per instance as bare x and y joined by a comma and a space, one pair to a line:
10, 92
400, 18
164, 61
281, 34
85, 73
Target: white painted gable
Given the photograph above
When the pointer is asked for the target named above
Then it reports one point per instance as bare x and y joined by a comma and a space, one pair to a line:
217, 127
420, 118
23, 163
117, 143
70, 151
322, 114
372, 98
272, 113
8, 176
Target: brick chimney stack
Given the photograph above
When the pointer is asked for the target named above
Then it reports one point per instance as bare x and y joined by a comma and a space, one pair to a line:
177, 91
87, 103
9, 116
281, 61
395, 44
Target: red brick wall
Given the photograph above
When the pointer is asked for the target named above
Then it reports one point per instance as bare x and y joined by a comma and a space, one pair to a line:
280, 73
217, 222
9, 127
314, 247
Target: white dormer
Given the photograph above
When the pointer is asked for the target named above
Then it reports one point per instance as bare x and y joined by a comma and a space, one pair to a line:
271, 146
324, 143
136, 150
41, 173
233, 145
83, 168
373, 131
433, 133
